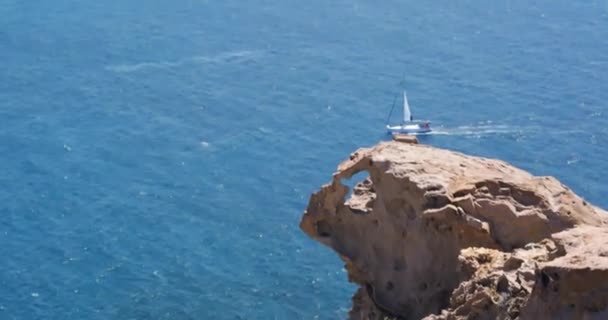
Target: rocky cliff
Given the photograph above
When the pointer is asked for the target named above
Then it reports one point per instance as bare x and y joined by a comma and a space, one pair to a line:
436, 234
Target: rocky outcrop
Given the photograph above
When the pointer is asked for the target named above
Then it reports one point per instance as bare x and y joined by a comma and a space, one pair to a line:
436, 234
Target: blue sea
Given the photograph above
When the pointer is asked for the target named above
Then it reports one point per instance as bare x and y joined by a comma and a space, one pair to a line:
156, 156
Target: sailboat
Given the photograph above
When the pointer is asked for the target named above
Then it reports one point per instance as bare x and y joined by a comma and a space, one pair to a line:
409, 125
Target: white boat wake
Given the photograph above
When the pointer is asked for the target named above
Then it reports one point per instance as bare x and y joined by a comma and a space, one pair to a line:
487, 130
474, 130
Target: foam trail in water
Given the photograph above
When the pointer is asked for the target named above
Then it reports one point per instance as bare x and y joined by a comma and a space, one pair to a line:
485, 130
225, 57
473, 130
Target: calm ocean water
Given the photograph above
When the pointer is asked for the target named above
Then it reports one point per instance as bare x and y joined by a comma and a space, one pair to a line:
157, 155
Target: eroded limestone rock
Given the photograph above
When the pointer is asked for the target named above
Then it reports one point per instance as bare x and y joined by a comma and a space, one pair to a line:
437, 234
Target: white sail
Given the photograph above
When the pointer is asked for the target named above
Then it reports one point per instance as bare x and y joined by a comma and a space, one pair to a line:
407, 114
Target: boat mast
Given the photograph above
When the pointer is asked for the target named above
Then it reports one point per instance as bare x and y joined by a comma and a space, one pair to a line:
388, 119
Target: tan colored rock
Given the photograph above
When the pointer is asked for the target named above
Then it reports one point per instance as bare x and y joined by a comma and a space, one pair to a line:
405, 138
437, 234
575, 285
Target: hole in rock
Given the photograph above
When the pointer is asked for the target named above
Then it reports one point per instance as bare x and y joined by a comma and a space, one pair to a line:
544, 278
323, 229
358, 181
461, 193
434, 188
390, 286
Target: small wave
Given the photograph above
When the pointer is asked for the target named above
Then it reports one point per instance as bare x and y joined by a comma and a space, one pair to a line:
573, 161
225, 57
125, 68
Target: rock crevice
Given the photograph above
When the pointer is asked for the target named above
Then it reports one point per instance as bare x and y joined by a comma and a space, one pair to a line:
437, 234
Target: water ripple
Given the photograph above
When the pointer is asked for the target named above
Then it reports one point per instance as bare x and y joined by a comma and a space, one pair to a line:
225, 57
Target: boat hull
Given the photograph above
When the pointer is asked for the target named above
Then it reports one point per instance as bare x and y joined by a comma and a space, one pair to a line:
410, 128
